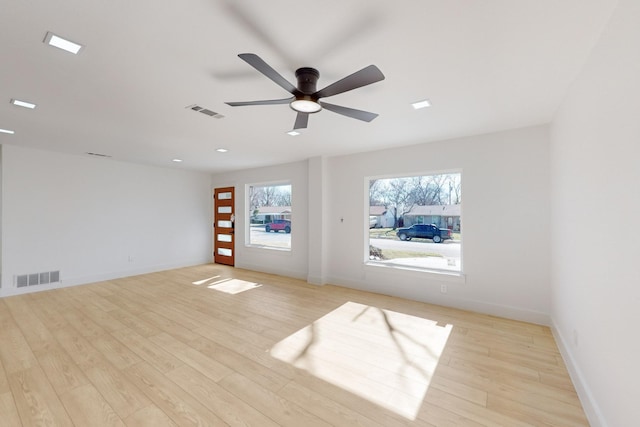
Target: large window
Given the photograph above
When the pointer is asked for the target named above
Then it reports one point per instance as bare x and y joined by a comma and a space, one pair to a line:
270, 224
415, 221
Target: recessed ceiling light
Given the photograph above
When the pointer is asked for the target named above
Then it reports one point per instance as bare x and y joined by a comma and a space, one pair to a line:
10, 132
24, 104
293, 133
221, 150
421, 104
176, 160
64, 44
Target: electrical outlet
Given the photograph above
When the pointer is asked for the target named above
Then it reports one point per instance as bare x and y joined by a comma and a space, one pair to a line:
443, 289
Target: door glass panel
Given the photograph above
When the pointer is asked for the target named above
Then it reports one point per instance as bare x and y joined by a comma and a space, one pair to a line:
224, 209
224, 196
224, 251
224, 224
224, 237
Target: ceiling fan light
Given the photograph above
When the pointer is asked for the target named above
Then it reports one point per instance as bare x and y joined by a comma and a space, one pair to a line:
305, 106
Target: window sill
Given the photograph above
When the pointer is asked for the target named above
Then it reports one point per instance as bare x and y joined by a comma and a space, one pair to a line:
439, 275
268, 248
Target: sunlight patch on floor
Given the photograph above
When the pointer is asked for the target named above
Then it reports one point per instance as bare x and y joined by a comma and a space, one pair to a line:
203, 281
233, 286
380, 355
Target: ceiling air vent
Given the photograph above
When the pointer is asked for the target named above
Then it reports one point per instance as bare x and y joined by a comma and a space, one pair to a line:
99, 155
206, 111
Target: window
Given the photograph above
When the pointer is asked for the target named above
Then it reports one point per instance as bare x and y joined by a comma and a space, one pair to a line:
270, 224
417, 221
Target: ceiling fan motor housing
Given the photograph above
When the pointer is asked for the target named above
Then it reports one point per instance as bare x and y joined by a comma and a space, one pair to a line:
307, 79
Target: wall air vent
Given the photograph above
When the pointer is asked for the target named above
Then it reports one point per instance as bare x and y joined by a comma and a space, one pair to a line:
205, 111
33, 279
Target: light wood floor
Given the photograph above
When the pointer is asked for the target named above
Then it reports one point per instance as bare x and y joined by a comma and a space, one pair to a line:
212, 345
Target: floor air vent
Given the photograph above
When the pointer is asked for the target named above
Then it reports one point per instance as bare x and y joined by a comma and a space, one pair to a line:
33, 279
205, 111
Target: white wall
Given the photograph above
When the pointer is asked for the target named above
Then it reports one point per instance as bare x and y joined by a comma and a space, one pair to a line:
318, 213
595, 172
505, 217
292, 263
505, 212
86, 217
1, 204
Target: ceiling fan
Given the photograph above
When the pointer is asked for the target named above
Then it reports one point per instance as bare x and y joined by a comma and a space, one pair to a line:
306, 98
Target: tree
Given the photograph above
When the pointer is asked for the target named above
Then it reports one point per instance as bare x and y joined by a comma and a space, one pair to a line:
269, 195
396, 195
376, 192
424, 191
400, 195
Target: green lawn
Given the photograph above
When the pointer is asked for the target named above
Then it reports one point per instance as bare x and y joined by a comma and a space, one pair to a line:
395, 254
382, 233
390, 233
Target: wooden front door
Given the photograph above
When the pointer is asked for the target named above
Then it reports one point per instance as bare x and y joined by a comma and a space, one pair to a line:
223, 226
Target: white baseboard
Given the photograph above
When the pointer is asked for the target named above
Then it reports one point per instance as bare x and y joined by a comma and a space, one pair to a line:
271, 270
589, 404
509, 312
316, 280
66, 282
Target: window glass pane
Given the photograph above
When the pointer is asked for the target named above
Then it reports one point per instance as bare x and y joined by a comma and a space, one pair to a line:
224, 238
224, 224
270, 216
224, 252
224, 209
224, 196
416, 221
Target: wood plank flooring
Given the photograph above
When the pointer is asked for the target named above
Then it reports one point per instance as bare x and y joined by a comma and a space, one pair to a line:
214, 345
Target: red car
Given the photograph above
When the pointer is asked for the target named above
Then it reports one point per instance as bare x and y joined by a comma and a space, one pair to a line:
277, 225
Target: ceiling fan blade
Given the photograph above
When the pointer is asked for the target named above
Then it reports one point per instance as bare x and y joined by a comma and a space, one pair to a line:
256, 62
302, 119
265, 102
366, 76
365, 116
249, 19
341, 37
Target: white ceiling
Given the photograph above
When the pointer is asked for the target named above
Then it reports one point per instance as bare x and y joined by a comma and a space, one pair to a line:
485, 65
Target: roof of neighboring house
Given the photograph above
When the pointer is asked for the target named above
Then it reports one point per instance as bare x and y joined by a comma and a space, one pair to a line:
377, 210
442, 210
267, 210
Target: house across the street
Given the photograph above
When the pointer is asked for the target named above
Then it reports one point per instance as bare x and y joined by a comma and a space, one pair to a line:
444, 216
266, 214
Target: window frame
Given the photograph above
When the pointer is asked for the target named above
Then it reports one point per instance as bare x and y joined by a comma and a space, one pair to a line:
248, 215
458, 276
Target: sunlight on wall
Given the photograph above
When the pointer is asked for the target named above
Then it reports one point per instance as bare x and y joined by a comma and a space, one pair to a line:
380, 355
